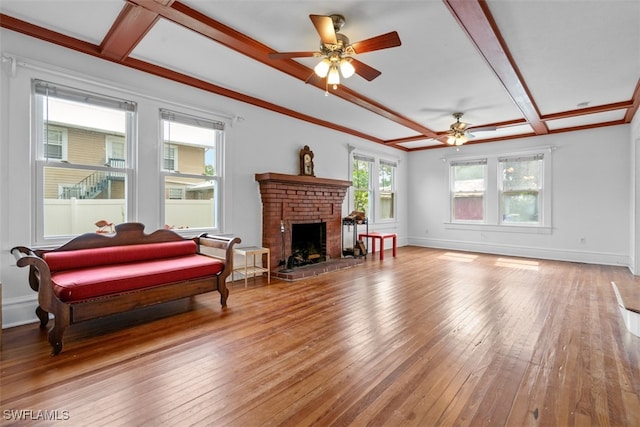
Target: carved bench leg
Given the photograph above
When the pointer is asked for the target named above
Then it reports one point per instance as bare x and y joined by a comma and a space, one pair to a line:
43, 316
61, 322
55, 340
224, 293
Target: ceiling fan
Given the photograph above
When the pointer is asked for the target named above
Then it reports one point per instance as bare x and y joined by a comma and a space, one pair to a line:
337, 51
460, 132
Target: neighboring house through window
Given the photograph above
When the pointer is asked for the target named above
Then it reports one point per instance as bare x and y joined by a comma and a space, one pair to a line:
170, 158
191, 165
77, 134
55, 145
468, 183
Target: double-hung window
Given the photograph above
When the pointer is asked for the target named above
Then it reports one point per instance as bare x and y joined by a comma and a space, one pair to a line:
191, 170
506, 191
362, 175
387, 189
83, 149
520, 185
468, 188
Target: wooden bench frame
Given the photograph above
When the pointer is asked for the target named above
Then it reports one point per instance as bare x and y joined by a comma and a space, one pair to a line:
66, 314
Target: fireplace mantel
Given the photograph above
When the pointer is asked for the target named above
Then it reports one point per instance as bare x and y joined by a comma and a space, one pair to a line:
301, 179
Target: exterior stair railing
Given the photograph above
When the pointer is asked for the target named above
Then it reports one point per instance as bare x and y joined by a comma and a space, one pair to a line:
93, 185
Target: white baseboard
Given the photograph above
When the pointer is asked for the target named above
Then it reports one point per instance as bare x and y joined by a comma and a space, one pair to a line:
19, 311
587, 257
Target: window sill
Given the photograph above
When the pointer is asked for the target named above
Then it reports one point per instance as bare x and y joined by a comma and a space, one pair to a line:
500, 228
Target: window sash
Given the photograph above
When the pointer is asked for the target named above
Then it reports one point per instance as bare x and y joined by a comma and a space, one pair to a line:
386, 189
99, 186
367, 162
520, 189
515, 180
467, 196
362, 176
190, 138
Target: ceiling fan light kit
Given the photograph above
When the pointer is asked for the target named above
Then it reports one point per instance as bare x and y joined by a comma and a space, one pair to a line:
346, 68
457, 139
333, 78
337, 51
322, 69
459, 132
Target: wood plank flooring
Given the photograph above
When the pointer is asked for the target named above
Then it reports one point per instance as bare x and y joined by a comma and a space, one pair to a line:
427, 338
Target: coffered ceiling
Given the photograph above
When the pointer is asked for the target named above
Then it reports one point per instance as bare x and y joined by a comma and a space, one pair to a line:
525, 67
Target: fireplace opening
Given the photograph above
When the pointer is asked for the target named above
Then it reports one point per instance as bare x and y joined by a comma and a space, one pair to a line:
308, 244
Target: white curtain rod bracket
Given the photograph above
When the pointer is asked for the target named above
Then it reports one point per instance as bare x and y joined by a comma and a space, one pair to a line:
12, 60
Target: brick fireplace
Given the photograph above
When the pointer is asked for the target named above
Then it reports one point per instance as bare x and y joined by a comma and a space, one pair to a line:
289, 200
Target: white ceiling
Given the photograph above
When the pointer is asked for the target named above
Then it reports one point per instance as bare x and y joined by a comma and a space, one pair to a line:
565, 53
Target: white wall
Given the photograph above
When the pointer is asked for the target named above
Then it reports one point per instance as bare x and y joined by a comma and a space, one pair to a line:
634, 196
262, 142
591, 176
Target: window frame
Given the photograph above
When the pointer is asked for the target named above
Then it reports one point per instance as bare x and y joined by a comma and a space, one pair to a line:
217, 179
492, 221
393, 190
374, 191
540, 191
39, 95
369, 189
452, 194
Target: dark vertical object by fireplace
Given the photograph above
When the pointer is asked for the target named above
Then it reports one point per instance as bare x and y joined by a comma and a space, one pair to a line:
308, 244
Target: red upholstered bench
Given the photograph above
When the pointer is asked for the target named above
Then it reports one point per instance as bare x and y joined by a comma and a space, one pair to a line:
95, 275
380, 236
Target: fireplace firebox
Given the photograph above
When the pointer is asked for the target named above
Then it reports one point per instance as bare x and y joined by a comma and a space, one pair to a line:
308, 244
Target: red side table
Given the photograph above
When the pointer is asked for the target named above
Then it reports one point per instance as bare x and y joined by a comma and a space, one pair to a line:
379, 236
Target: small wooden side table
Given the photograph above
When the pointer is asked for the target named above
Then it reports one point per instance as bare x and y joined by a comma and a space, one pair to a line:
379, 236
252, 269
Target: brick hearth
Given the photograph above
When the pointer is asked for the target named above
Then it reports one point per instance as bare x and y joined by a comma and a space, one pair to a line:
297, 199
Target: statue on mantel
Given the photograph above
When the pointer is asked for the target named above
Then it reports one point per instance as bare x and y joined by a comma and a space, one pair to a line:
306, 161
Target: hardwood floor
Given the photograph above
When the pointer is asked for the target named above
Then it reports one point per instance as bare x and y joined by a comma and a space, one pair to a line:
428, 338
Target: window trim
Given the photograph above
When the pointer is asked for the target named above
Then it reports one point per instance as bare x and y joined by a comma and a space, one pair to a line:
540, 191
393, 191
492, 213
485, 179
40, 90
200, 120
371, 196
375, 161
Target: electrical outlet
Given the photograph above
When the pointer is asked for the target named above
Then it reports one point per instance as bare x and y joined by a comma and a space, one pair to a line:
583, 240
